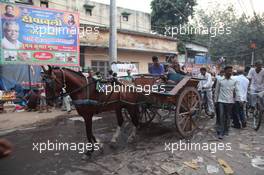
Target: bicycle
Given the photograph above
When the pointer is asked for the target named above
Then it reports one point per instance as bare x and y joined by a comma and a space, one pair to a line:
254, 114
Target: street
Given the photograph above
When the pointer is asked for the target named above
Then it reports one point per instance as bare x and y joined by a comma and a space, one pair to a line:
187, 76
146, 155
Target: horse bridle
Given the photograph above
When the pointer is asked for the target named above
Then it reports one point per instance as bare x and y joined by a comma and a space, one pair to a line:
75, 90
63, 84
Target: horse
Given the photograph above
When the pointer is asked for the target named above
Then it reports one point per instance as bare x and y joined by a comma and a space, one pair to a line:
89, 101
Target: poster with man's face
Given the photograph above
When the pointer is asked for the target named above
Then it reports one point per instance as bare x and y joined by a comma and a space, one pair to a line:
33, 35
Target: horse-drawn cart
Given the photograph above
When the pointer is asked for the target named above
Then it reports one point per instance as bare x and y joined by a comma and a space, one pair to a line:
180, 100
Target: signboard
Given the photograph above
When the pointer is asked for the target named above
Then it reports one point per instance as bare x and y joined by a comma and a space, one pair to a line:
121, 69
33, 35
194, 69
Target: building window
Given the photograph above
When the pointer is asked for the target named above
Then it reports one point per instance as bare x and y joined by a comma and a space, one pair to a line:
44, 4
100, 66
88, 9
125, 16
29, 2
88, 12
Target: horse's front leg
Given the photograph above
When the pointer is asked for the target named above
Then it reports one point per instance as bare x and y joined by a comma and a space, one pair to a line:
89, 133
134, 113
120, 121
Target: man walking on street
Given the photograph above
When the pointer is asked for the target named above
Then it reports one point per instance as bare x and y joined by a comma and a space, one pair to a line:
256, 77
205, 87
43, 103
239, 114
226, 91
66, 101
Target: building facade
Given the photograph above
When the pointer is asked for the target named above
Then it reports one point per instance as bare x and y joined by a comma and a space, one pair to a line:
135, 42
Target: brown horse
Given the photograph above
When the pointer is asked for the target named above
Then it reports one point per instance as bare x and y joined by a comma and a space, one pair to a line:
88, 101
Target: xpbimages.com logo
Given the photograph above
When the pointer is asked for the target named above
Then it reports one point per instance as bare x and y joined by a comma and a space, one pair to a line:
60, 146
190, 146
54, 31
145, 89
213, 31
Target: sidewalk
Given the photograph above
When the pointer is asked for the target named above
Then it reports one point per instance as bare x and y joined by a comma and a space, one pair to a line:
16, 120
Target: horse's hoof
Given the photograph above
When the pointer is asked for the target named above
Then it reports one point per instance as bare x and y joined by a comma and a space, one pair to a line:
88, 154
113, 145
131, 139
113, 141
86, 157
101, 148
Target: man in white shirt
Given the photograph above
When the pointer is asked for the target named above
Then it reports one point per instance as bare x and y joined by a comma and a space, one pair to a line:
66, 101
226, 91
205, 85
239, 115
220, 76
256, 77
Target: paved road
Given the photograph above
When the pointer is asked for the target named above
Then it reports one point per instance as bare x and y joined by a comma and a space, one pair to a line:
147, 155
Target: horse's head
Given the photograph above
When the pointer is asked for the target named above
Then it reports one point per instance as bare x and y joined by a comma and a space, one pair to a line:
53, 81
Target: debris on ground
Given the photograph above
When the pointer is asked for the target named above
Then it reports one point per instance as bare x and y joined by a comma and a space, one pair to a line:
172, 168
247, 155
244, 147
212, 169
198, 160
192, 165
227, 169
258, 162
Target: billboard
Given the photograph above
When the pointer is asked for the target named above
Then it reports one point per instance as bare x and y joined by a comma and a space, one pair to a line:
122, 68
38, 36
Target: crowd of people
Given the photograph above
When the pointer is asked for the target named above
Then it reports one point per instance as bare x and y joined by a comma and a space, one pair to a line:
226, 93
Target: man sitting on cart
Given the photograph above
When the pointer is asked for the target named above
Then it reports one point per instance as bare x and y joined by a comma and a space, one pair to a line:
175, 67
156, 68
175, 74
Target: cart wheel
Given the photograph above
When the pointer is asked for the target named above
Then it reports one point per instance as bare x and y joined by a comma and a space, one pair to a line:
249, 111
257, 119
147, 114
187, 115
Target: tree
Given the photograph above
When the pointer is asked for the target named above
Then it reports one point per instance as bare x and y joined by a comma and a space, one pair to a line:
170, 13
234, 45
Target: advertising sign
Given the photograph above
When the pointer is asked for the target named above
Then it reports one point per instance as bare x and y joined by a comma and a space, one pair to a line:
33, 35
121, 69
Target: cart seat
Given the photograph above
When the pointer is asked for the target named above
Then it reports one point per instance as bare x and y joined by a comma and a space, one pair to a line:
176, 77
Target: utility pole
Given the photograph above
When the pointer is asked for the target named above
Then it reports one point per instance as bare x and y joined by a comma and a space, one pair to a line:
252, 58
253, 47
113, 33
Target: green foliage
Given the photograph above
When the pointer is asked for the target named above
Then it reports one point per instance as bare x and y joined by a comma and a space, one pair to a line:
170, 13
234, 46
181, 47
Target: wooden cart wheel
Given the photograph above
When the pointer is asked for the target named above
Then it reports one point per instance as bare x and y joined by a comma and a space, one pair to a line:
147, 114
188, 111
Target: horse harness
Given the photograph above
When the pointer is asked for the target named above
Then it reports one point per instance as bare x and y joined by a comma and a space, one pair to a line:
87, 100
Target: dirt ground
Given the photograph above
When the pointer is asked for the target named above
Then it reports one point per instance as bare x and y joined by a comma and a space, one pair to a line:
15, 120
147, 155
